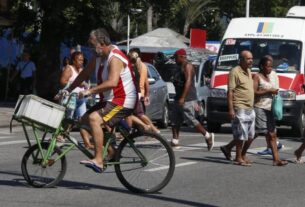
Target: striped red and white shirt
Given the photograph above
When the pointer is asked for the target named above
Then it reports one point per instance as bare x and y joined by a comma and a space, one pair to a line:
125, 93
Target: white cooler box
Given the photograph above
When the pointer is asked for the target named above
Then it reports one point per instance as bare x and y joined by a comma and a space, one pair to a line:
40, 110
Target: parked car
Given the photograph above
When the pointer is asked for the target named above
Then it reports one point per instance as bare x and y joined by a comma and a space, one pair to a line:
157, 110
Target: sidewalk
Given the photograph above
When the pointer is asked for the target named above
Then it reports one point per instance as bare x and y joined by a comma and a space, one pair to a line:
6, 112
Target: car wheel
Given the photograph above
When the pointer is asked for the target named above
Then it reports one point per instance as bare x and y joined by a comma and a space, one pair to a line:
213, 126
299, 126
163, 123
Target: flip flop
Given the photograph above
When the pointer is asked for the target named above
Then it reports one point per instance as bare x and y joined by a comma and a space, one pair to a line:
83, 162
244, 164
95, 167
226, 153
248, 161
280, 163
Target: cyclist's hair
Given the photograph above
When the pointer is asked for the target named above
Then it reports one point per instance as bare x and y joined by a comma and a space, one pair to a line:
101, 35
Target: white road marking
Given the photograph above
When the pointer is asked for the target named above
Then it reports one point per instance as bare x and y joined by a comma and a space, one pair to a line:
14, 130
13, 142
166, 167
197, 146
6, 132
5, 137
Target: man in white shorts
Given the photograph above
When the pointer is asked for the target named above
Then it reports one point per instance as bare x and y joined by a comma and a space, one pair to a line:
241, 112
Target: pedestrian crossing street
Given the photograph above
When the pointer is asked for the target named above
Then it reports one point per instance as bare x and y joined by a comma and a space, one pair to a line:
17, 137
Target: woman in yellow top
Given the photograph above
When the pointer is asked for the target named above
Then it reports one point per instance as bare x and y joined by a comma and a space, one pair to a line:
143, 89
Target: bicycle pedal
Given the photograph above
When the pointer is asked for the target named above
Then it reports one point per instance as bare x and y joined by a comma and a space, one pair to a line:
51, 162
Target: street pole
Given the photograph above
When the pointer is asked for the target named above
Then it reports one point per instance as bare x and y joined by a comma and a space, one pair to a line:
133, 11
128, 32
248, 8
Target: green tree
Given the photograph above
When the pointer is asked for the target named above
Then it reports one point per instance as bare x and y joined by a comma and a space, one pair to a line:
57, 22
70, 21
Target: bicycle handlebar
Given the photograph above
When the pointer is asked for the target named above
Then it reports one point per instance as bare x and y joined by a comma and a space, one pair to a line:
64, 97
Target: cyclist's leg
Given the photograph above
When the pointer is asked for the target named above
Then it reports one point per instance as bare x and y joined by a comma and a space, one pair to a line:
147, 121
145, 118
91, 122
134, 120
95, 121
85, 129
85, 132
110, 114
86, 138
141, 119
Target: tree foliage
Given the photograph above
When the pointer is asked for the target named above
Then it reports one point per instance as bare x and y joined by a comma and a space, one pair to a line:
57, 22
70, 21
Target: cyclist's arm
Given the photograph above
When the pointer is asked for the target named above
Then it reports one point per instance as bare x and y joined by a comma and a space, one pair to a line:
115, 68
84, 74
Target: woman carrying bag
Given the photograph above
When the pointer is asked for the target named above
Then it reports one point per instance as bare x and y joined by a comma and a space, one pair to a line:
265, 88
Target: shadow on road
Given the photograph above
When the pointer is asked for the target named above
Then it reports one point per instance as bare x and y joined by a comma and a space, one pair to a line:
20, 182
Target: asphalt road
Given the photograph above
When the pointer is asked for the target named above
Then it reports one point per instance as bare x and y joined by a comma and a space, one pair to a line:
201, 178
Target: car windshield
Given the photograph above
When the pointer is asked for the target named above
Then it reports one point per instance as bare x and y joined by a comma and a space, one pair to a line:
286, 53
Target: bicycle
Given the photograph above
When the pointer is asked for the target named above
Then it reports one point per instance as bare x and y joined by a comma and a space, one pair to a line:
144, 162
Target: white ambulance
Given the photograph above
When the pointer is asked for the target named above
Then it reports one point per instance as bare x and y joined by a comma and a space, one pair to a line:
284, 39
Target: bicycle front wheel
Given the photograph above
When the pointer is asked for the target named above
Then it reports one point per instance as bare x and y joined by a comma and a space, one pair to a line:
146, 163
39, 175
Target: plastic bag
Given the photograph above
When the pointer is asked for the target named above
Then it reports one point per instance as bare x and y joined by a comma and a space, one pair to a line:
277, 107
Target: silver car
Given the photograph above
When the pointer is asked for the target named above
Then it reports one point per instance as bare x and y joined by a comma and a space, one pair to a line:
157, 110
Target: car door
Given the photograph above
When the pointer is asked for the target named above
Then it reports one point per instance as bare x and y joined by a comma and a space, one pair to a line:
201, 84
157, 94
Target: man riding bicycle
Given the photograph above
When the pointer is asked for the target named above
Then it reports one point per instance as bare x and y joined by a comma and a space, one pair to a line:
116, 88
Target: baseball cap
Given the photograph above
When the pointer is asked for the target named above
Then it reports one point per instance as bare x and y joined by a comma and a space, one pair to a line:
180, 52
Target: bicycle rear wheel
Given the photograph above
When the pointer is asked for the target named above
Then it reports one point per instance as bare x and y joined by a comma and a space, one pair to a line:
40, 176
150, 173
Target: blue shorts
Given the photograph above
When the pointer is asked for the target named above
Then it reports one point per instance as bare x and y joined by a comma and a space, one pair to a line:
79, 111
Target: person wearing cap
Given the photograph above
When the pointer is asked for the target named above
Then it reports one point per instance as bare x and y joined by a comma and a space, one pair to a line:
186, 100
140, 70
